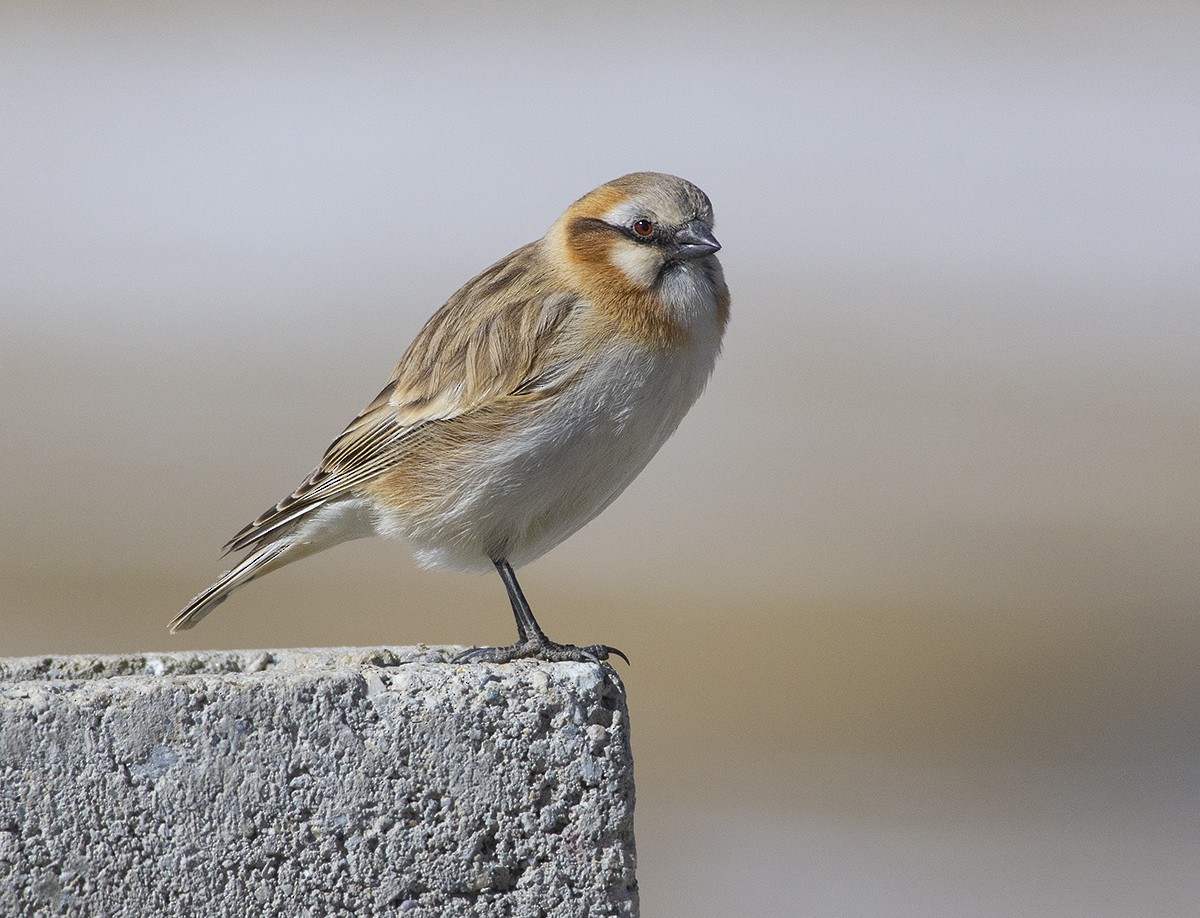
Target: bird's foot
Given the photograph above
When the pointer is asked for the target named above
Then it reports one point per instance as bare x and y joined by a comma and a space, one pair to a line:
539, 649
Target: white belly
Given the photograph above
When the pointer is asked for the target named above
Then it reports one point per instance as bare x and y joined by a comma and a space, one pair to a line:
532, 489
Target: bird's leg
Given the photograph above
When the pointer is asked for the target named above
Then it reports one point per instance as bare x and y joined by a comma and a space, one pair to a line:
527, 626
531, 639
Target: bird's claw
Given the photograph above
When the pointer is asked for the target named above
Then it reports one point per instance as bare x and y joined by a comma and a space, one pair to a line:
533, 649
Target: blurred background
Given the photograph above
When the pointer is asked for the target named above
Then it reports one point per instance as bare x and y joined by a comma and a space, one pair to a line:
913, 596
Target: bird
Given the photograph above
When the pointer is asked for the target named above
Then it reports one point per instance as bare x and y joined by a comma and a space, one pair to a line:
524, 406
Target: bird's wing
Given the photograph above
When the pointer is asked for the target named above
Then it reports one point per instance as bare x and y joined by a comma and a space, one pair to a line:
500, 335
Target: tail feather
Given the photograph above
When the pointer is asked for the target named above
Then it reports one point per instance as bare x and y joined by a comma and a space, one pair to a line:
313, 529
253, 565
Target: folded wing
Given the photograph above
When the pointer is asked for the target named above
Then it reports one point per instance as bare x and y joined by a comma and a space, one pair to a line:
503, 334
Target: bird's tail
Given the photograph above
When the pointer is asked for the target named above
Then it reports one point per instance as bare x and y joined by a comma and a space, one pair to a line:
267, 558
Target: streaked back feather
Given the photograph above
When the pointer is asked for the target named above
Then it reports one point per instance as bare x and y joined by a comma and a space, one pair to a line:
501, 334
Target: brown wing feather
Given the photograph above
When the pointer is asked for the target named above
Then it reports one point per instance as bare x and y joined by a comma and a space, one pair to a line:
501, 334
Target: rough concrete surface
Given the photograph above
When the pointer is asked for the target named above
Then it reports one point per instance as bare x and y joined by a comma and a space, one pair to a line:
312, 783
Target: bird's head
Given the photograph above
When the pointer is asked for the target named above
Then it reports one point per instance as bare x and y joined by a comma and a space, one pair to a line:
643, 227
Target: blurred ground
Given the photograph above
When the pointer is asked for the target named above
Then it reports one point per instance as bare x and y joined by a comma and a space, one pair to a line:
912, 597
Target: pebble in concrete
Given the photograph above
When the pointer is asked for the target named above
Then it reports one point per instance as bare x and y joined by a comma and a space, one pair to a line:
314, 783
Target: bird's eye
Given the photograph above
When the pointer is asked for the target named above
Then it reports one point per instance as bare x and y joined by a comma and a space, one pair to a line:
643, 228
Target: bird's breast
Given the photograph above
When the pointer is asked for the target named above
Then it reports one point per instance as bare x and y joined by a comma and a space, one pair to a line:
539, 476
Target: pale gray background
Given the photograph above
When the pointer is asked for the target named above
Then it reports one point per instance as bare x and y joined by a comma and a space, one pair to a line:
913, 597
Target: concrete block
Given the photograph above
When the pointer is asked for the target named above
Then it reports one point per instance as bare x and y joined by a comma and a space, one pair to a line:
314, 783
